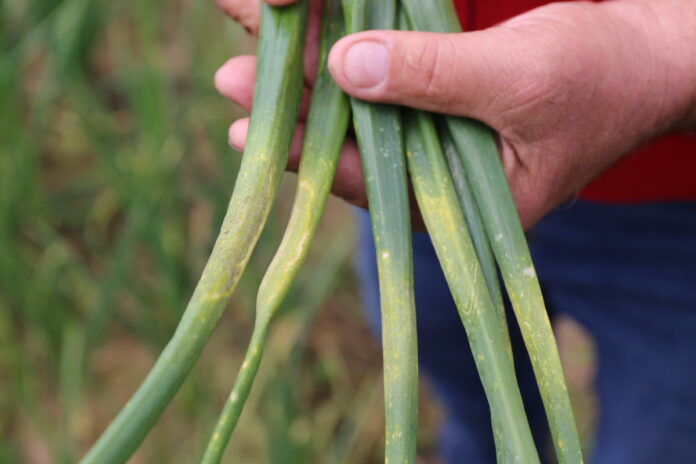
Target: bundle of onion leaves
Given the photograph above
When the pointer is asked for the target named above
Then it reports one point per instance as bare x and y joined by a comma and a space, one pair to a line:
463, 196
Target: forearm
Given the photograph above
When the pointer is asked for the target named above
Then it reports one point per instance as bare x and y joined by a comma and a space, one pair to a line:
668, 31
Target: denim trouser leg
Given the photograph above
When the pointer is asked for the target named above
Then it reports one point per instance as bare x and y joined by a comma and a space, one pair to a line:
628, 274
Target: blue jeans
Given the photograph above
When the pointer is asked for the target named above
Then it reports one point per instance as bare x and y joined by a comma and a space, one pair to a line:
628, 275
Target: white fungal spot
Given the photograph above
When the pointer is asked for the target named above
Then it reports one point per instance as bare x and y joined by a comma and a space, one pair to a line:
529, 272
234, 397
385, 255
498, 237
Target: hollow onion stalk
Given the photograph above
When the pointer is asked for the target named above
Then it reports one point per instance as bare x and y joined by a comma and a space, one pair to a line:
445, 222
475, 224
325, 131
279, 79
477, 148
378, 129
480, 155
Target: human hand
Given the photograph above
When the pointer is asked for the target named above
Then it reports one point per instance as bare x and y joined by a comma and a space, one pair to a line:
235, 80
569, 88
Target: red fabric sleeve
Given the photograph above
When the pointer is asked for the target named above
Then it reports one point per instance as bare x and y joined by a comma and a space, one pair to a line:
665, 170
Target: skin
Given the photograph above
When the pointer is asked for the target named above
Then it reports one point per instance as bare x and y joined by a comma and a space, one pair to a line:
570, 88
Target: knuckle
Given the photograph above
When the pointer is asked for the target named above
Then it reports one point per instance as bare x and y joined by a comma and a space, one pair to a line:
422, 72
428, 62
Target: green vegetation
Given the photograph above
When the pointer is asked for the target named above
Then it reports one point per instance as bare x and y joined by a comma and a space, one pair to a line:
325, 132
280, 77
378, 130
480, 160
114, 172
488, 338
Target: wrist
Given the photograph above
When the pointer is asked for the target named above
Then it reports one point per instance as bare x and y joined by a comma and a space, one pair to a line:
666, 32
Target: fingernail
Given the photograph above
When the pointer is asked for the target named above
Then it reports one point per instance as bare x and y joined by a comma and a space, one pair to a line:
365, 64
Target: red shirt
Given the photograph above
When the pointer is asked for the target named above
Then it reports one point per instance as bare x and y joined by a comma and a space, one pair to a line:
665, 170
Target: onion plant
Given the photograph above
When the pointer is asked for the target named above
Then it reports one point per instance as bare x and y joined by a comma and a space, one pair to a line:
323, 139
474, 222
279, 78
479, 155
378, 129
489, 343
466, 205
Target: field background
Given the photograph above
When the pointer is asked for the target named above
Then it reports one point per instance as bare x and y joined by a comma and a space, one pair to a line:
114, 177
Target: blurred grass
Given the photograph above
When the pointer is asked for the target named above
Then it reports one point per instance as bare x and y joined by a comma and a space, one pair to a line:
114, 177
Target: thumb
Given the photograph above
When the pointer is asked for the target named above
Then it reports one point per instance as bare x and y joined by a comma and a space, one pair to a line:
461, 74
